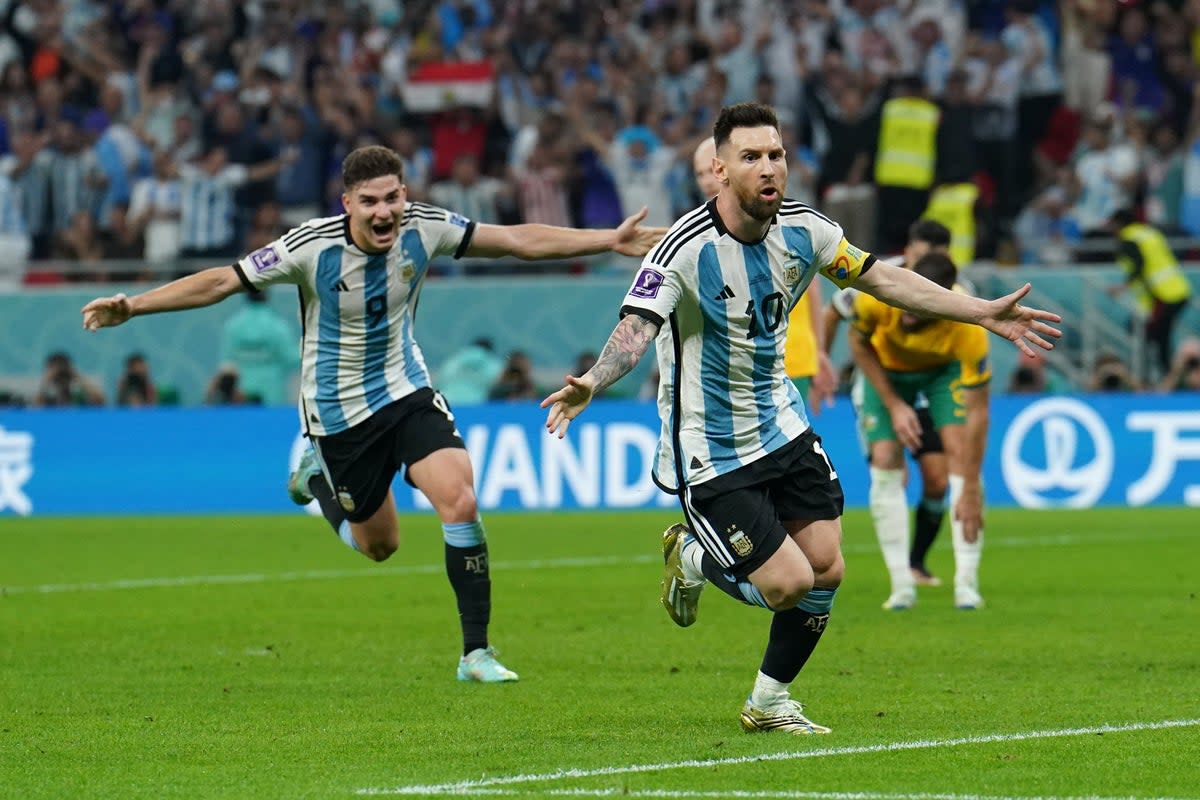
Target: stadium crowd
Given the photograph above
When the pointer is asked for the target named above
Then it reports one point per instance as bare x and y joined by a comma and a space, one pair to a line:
152, 137
158, 130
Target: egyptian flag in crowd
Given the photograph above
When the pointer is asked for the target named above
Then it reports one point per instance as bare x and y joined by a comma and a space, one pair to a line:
443, 85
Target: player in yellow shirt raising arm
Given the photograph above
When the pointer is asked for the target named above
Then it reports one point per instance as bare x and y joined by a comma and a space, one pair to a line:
902, 355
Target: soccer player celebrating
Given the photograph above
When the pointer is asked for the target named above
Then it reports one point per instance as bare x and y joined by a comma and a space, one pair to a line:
924, 236
762, 501
366, 402
902, 356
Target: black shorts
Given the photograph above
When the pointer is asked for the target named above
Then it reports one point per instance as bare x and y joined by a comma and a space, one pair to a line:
360, 462
738, 517
931, 441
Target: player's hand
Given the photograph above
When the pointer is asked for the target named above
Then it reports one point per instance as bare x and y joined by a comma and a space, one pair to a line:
1018, 323
634, 240
566, 404
969, 511
107, 312
906, 425
824, 384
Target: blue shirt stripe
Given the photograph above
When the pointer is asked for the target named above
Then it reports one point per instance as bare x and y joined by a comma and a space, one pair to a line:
766, 344
329, 334
714, 362
375, 302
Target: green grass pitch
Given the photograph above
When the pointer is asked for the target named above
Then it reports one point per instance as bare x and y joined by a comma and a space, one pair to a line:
256, 657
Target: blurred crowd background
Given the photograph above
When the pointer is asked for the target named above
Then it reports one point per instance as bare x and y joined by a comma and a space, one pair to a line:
140, 139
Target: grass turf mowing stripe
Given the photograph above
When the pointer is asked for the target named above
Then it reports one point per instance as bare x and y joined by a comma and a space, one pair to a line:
465, 787
784, 795
553, 563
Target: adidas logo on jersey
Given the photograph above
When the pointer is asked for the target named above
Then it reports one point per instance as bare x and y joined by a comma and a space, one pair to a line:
726, 294
341, 286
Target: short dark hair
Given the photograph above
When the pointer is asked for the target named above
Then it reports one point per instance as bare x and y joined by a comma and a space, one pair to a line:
1122, 217
931, 232
937, 267
368, 163
742, 115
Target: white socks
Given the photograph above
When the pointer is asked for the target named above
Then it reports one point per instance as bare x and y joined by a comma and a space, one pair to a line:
966, 554
691, 556
767, 691
889, 510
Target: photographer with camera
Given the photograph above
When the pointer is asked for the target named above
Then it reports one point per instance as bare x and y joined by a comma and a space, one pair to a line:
63, 385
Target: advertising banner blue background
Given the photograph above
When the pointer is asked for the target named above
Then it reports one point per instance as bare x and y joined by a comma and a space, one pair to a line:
1065, 451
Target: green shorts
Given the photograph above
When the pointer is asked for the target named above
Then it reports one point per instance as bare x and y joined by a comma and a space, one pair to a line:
942, 387
803, 383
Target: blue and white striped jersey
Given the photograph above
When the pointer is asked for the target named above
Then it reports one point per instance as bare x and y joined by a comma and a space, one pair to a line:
358, 353
207, 205
12, 212
724, 397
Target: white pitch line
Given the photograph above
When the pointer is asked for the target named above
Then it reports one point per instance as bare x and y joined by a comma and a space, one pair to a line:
470, 786
783, 795
535, 564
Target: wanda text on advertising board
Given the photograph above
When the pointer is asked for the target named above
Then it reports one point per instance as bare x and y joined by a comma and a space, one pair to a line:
1051, 452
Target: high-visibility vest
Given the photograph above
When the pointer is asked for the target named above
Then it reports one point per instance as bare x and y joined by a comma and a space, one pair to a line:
953, 205
1161, 277
907, 151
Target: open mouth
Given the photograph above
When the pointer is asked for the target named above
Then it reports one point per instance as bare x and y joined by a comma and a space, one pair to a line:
768, 193
383, 228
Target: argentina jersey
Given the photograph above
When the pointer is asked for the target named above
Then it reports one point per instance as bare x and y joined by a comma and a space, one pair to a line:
358, 353
724, 397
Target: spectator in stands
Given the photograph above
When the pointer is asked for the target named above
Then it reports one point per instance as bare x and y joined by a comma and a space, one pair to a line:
135, 387
1105, 176
207, 211
300, 184
28, 167
1164, 178
74, 176
260, 345
475, 196
844, 183
154, 211
63, 385
516, 380
1044, 230
15, 242
468, 375
1029, 43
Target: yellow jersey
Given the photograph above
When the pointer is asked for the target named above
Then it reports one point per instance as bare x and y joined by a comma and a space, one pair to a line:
937, 344
800, 350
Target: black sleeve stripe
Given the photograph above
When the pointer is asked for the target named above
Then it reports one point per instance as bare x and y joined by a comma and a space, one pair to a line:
468, 235
680, 229
674, 251
331, 228
250, 287
791, 207
644, 313
870, 262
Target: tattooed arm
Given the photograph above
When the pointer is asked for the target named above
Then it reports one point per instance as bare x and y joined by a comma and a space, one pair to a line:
628, 343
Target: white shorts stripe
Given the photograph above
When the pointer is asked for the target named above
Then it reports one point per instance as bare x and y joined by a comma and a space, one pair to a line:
713, 544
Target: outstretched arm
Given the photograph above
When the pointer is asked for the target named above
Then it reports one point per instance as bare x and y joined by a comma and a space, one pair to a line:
1003, 316
192, 291
625, 347
548, 241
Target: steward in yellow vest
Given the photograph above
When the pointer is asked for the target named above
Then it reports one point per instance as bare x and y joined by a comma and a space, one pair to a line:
1153, 275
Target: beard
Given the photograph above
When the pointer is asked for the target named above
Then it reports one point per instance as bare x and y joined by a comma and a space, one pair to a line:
758, 208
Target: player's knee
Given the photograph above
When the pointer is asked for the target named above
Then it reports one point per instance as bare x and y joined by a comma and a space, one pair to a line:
380, 551
461, 505
935, 486
829, 573
787, 595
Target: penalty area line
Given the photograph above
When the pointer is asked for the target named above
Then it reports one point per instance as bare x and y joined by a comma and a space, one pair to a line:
474, 786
